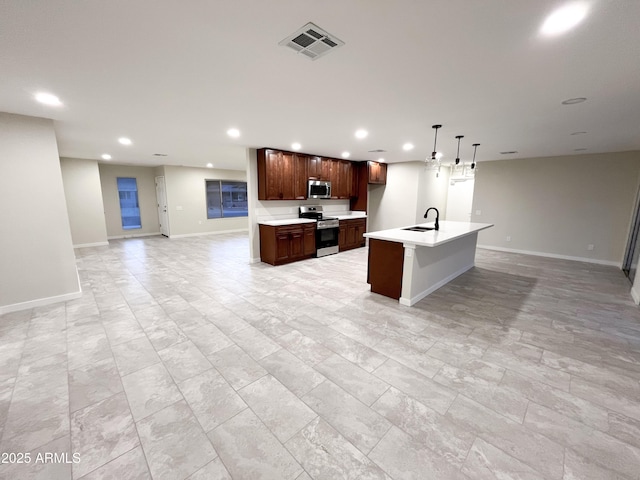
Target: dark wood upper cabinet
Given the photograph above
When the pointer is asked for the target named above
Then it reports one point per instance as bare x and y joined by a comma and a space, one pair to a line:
319, 168
336, 180
285, 175
346, 174
377, 173
281, 175
300, 176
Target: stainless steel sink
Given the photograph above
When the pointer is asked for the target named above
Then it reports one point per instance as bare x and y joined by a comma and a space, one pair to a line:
419, 229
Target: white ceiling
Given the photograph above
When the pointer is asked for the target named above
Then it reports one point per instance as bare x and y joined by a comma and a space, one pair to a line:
175, 75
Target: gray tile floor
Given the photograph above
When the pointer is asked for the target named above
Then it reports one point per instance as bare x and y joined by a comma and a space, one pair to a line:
181, 360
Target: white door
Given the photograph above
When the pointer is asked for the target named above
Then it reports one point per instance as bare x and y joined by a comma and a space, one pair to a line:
460, 200
163, 214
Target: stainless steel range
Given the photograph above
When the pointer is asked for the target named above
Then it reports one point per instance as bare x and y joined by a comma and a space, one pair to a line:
327, 229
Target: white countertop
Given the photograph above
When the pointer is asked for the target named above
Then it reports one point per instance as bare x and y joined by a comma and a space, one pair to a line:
448, 232
286, 221
348, 216
295, 221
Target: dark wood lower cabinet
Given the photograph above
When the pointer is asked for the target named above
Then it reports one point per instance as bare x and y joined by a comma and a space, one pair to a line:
290, 243
309, 240
351, 233
287, 243
386, 263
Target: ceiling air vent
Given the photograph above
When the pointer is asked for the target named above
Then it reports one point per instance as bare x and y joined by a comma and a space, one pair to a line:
311, 41
378, 150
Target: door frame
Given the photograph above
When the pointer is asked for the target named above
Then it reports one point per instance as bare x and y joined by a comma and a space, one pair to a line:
163, 207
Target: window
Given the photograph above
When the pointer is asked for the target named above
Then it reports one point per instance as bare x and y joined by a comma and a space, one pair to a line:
226, 198
129, 208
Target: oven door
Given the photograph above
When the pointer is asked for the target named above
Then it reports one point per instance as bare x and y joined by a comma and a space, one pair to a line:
327, 241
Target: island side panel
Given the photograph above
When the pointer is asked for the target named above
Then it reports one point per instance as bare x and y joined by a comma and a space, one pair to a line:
428, 268
385, 267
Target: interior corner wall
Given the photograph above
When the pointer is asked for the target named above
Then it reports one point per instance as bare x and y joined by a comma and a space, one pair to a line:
409, 191
37, 260
146, 182
82, 190
187, 201
252, 194
558, 206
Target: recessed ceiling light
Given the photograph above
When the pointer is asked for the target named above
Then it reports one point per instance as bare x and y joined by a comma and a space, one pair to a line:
124, 141
233, 132
578, 133
407, 146
573, 101
296, 146
48, 99
361, 133
564, 18
106, 156
345, 154
209, 165
381, 160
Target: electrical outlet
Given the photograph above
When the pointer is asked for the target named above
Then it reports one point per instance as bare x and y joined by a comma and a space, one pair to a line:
590, 246
478, 212
508, 238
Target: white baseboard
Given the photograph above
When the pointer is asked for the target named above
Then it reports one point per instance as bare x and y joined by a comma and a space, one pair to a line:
553, 255
415, 299
255, 260
41, 302
219, 232
636, 296
96, 244
134, 235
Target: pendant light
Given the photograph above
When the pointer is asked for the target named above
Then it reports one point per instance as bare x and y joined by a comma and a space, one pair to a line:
458, 154
435, 140
473, 163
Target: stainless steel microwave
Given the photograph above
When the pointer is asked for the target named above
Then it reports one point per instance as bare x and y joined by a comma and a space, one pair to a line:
319, 189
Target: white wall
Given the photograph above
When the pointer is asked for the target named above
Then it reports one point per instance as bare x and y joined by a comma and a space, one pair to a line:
37, 262
557, 206
409, 191
432, 192
82, 190
187, 201
460, 200
145, 179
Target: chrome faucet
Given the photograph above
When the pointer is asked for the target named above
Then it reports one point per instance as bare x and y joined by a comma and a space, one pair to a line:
437, 216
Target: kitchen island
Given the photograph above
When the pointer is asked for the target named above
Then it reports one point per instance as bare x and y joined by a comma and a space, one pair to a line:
410, 264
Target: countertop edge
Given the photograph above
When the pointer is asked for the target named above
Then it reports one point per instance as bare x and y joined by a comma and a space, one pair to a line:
288, 221
391, 235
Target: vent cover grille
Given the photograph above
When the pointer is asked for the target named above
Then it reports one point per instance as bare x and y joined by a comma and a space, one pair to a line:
311, 41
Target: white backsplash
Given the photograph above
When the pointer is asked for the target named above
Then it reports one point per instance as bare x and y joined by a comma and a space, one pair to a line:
284, 209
